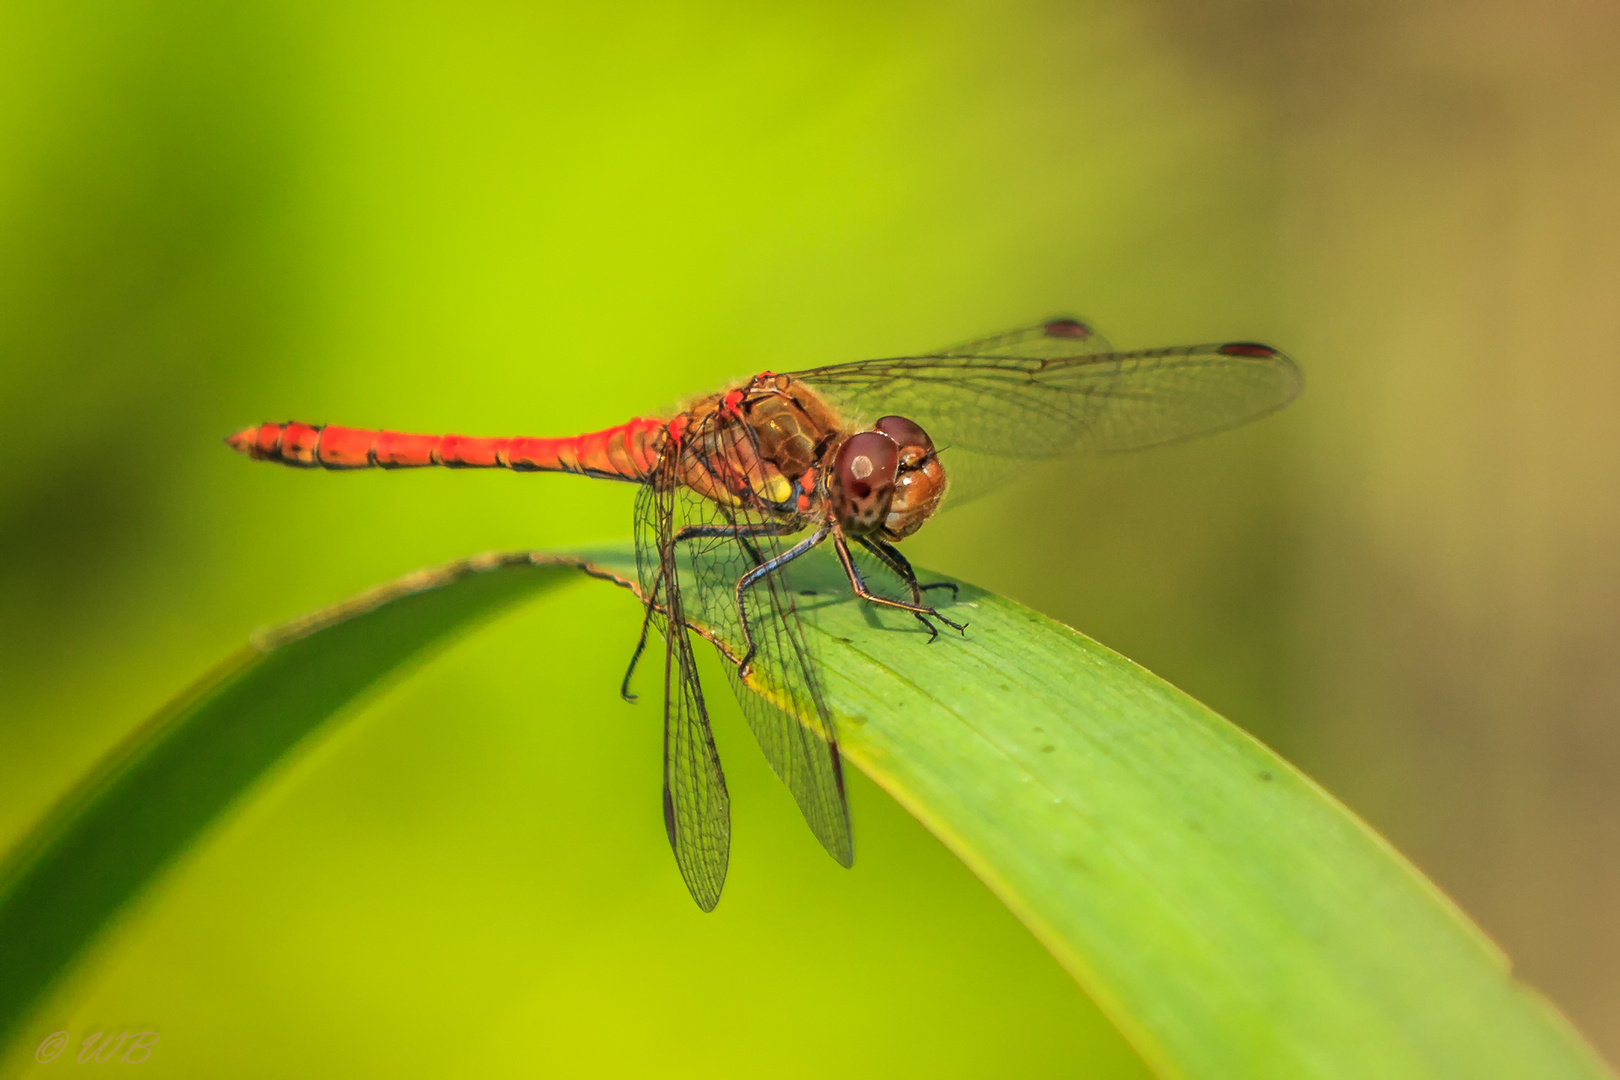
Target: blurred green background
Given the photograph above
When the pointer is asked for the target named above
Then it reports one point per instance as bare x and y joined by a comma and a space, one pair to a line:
523, 219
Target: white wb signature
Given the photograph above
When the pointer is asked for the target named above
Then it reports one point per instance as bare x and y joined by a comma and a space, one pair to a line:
127, 1047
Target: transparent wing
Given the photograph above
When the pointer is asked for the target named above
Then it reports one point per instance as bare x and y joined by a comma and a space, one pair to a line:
1057, 388
788, 713
697, 808
1057, 337
782, 698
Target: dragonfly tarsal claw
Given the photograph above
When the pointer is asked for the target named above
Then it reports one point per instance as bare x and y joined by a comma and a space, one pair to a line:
951, 585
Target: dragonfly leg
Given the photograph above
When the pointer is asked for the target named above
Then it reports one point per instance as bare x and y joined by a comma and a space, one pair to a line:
743, 534
695, 532
760, 571
891, 557
922, 611
641, 642
902, 569
691, 532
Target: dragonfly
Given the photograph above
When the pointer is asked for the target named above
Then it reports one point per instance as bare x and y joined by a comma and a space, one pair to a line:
739, 484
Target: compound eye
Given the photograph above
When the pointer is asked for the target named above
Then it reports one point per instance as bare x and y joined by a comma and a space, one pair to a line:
905, 432
866, 464
862, 484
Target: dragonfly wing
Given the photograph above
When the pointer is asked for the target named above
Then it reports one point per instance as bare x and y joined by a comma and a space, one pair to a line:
697, 808
1056, 389
1060, 336
782, 698
654, 511
788, 713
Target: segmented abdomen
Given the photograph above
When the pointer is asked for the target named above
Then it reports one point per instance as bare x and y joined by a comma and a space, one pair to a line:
627, 452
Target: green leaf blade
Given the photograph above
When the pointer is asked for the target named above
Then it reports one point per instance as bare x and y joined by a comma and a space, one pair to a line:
158, 792
1229, 917
1226, 913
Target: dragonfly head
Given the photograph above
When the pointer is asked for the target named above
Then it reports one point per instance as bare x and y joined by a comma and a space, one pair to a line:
886, 481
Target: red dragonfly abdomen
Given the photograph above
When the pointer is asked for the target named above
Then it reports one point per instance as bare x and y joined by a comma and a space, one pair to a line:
626, 452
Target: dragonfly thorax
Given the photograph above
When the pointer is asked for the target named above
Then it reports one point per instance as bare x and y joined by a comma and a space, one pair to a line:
760, 447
